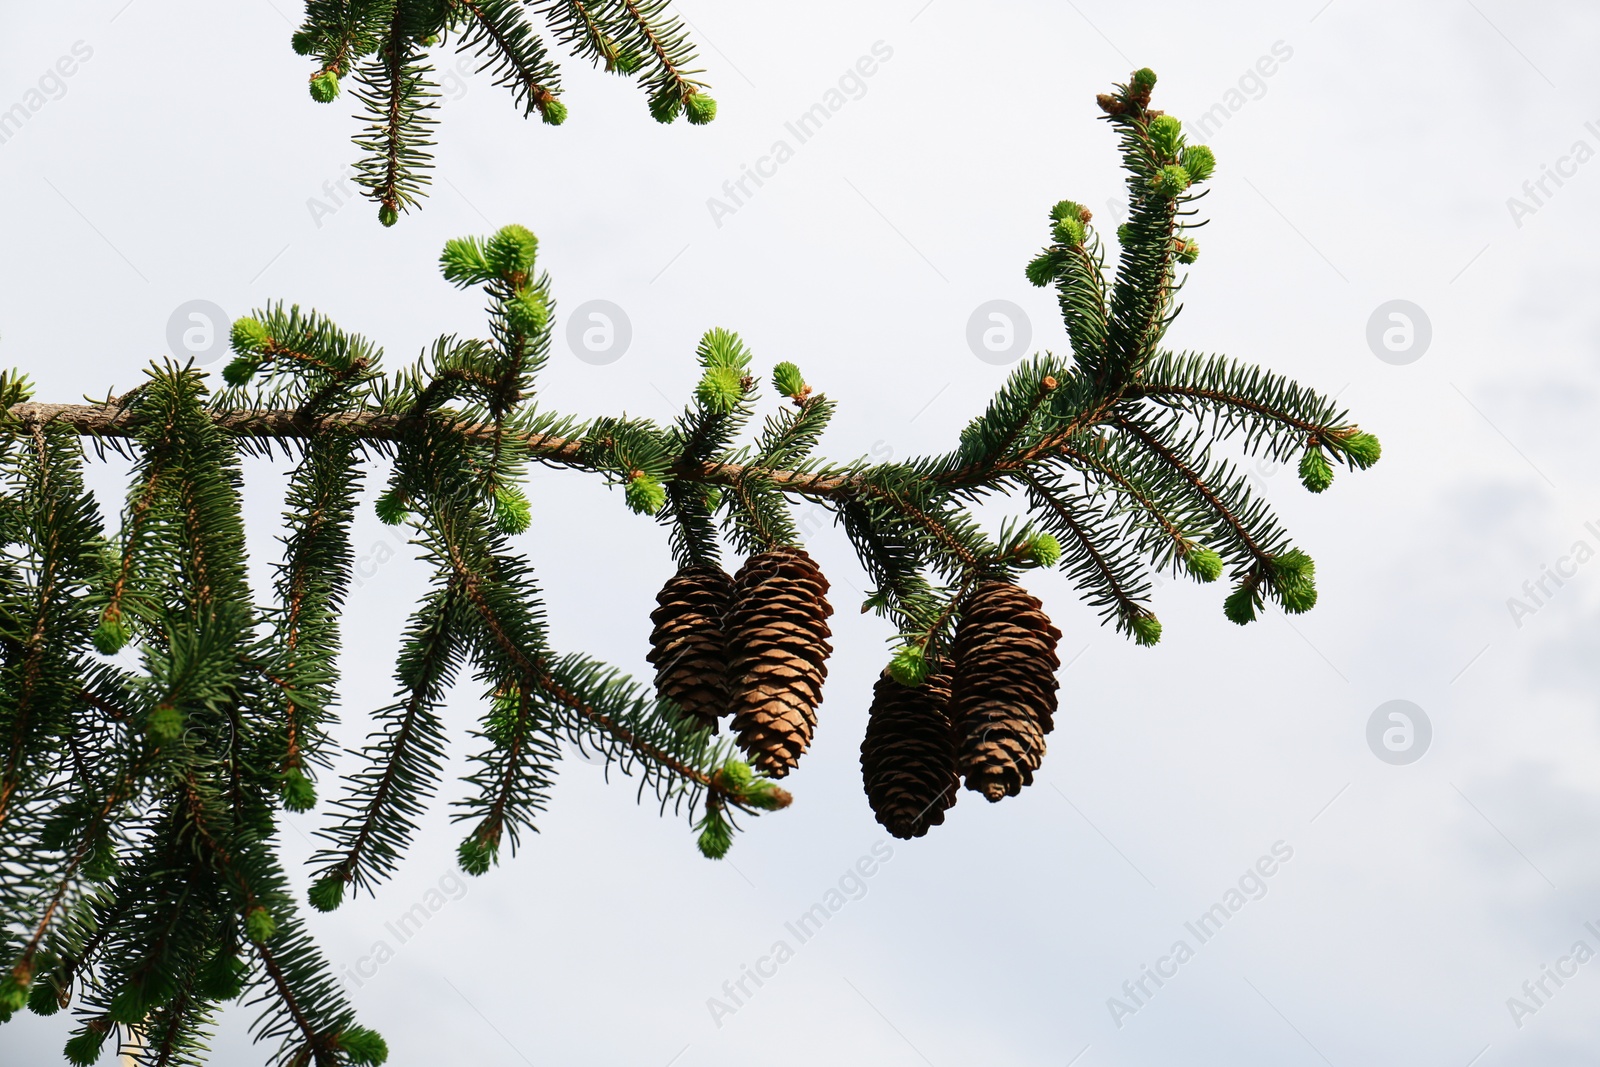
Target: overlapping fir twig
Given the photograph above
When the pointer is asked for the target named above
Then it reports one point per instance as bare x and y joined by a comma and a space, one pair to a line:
385, 46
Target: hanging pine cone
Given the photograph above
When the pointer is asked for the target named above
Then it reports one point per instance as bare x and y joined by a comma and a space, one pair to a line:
1003, 698
908, 758
688, 647
777, 654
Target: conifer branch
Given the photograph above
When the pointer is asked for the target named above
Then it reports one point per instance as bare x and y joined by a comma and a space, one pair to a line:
138, 806
518, 58
402, 764
1093, 546
393, 37
1256, 545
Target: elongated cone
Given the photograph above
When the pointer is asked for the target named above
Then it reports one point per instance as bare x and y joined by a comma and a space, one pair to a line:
778, 654
908, 758
1003, 697
688, 646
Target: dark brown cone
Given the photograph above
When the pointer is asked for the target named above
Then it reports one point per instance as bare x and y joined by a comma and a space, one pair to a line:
1003, 696
908, 758
777, 656
688, 646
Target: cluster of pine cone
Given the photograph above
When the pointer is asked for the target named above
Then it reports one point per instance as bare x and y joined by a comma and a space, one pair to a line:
754, 646
981, 717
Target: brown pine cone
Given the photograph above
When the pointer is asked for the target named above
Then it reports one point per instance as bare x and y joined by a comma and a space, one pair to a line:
688, 646
1003, 697
908, 758
777, 656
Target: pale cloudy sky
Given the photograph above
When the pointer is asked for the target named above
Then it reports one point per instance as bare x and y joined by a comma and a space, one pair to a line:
1367, 155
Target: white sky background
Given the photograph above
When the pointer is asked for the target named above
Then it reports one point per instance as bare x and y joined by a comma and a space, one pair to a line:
1374, 165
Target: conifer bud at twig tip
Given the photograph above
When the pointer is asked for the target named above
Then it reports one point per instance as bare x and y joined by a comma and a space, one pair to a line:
324, 86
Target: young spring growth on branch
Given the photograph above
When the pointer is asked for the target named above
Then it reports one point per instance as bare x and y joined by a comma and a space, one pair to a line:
736, 780
388, 213
789, 382
1134, 99
43, 998
1199, 161
324, 86
1204, 563
83, 1050
476, 855
644, 494
722, 348
512, 250
1243, 603
512, 513
1068, 220
1069, 232
366, 1048
464, 262
326, 894
1166, 138
1316, 473
111, 636
1069, 209
1188, 250
716, 833
527, 313
391, 508
1362, 450
733, 776
14, 990
239, 370
165, 724
720, 389
1171, 181
665, 105
297, 791
249, 336
552, 111
766, 795
909, 666
700, 109
250, 340
1146, 630
221, 977
1294, 580
260, 925
1044, 550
